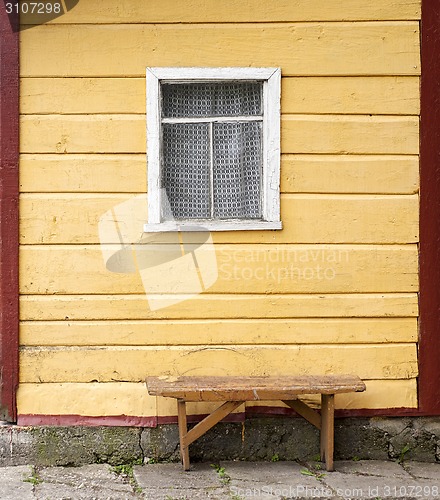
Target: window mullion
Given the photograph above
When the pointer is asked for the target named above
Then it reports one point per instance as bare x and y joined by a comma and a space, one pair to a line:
211, 169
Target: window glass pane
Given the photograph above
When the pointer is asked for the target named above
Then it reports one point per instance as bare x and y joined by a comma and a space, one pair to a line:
186, 169
193, 100
237, 170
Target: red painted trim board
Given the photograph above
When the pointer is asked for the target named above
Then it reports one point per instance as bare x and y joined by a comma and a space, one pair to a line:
9, 153
429, 341
153, 421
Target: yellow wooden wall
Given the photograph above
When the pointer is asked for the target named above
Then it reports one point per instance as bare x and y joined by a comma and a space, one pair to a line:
350, 105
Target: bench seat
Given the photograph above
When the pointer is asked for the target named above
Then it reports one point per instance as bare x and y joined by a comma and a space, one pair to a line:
236, 390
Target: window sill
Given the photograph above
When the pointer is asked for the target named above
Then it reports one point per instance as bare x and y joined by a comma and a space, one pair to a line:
192, 226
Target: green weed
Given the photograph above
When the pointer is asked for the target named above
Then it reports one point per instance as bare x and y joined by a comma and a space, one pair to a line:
126, 470
222, 474
33, 478
404, 451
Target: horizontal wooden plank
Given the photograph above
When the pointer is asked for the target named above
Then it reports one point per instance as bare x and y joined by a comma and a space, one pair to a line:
218, 331
331, 134
74, 218
54, 173
83, 134
349, 134
196, 11
349, 174
132, 399
380, 48
317, 95
241, 269
379, 394
83, 173
348, 219
112, 364
135, 307
251, 388
83, 95
90, 399
351, 95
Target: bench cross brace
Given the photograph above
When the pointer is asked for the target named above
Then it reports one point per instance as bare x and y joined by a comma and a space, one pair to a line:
305, 411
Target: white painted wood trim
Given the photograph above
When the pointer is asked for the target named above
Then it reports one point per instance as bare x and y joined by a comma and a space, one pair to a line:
271, 147
245, 225
271, 143
203, 74
153, 147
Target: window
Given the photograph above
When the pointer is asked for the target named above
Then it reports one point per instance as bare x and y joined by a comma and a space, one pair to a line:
213, 139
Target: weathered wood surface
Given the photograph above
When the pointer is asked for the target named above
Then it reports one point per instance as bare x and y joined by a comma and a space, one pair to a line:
213, 306
308, 218
379, 394
208, 11
199, 429
112, 173
133, 364
221, 331
83, 133
92, 399
305, 411
388, 95
131, 398
251, 388
380, 48
349, 174
241, 269
118, 173
182, 423
234, 391
349, 134
327, 429
300, 134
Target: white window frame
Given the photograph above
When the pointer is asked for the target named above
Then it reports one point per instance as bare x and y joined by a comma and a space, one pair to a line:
271, 78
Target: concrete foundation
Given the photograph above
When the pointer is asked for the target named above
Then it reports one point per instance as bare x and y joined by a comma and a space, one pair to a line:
270, 439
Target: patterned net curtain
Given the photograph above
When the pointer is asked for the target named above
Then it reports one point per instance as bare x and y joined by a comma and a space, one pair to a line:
213, 169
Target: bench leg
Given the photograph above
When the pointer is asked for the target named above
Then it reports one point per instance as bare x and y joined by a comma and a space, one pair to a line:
183, 429
188, 437
327, 429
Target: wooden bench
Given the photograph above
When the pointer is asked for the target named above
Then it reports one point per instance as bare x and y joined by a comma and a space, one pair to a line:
236, 390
